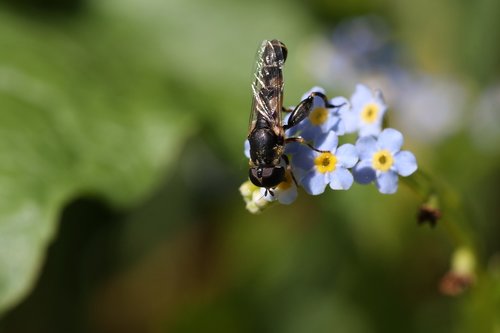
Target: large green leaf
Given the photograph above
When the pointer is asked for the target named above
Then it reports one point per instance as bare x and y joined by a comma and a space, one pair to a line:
75, 118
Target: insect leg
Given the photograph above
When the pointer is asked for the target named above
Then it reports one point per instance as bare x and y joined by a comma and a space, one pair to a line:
302, 110
301, 140
325, 99
289, 168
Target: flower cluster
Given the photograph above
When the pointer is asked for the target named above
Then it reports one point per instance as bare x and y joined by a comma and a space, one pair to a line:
376, 157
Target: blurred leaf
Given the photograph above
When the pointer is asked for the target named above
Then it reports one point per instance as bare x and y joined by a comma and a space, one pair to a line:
77, 116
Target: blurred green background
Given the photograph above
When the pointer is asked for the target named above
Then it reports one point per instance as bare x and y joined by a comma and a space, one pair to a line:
121, 152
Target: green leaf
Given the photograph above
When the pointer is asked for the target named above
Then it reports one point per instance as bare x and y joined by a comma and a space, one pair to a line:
75, 119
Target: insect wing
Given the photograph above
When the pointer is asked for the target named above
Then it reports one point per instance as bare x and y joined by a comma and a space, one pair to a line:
267, 86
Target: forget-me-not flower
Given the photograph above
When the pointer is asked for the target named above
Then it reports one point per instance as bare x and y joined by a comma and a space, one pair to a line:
314, 170
382, 160
366, 113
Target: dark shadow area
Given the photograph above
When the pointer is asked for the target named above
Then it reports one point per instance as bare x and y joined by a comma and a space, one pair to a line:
48, 7
71, 267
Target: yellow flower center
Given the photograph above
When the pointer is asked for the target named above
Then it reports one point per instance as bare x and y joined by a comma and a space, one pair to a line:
325, 162
382, 160
318, 116
369, 113
287, 183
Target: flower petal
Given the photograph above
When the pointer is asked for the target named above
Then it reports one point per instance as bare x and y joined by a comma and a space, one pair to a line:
361, 95
366, 147
338, 126
318, 102
390, 139
341, 179
309, 131
300, 173
350, 120
387, 182
292, 148
330, 122
288, 196
347, 155
328, 141
405, 163
304, 158
370, 129
314, 183
247, 148
363, 172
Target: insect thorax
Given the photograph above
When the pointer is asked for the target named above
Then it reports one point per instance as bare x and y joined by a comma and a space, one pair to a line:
266, 147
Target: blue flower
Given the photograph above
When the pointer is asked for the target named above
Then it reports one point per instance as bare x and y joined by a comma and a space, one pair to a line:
314, 170
381, 160
367, 112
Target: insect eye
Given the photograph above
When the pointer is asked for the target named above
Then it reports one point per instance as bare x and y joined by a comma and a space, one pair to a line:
252, 174
267, 177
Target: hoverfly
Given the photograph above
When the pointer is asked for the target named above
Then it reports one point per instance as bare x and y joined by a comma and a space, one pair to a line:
266, 132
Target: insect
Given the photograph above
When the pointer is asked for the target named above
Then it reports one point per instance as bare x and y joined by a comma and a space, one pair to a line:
266, 132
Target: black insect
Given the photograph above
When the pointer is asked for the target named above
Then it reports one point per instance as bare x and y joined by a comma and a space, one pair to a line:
266, 132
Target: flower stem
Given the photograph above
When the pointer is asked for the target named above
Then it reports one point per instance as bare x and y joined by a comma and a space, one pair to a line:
444, 201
